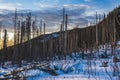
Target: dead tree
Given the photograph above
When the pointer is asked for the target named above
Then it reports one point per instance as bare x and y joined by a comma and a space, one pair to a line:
28, 28
115, 68
96, 30
18, 32
63, 23
37, 32
66, 36
63, 34
19, 44
4, 46
103, 30
44, 40
22, 31
51, 49
15, 38
15, 27
40, 27
114, 31
60, 42
34, 28
0, 30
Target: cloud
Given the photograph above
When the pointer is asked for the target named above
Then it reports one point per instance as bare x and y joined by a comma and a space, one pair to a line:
76, 6
51, 13
10, 6
43, 6
75, 12
55, 5
87, 0
76, 9
18, 4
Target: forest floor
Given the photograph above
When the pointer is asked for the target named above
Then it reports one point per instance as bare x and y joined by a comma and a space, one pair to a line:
76, 68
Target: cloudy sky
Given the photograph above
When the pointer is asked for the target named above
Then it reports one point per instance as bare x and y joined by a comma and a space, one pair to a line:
43, 4
80, 12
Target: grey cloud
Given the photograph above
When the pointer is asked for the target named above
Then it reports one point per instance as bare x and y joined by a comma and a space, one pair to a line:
53, 17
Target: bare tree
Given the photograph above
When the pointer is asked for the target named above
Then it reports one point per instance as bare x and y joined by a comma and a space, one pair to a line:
40, 27
44, 40
4, 46
96, 30
15, 38
0, 29
66, 35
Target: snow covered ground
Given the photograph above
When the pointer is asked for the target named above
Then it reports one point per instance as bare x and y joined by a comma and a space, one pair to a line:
87, 69
81, 71
73, 69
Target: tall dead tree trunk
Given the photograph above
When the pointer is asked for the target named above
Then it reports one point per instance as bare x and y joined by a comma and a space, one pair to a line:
15, 27
0, 30
63, 23
96, 30
51, 49
63, 33
15, 38
40, 27
114, 31
33, 29
60, 41
22, 31
66, 35
37, 32
103, 30
44, 54
28, 26
18, 32
4, 46
115, 71
19, 44
76, 43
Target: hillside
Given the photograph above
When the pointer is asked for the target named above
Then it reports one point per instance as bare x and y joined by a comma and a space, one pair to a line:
78, 39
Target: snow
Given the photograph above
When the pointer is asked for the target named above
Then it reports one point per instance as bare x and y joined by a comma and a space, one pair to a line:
80, 71
55, 35
71, 69
118, 42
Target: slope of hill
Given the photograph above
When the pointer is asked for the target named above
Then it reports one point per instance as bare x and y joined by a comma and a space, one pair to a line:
56, 45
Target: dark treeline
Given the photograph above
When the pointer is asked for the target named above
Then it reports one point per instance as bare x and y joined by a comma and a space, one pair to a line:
58, 45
